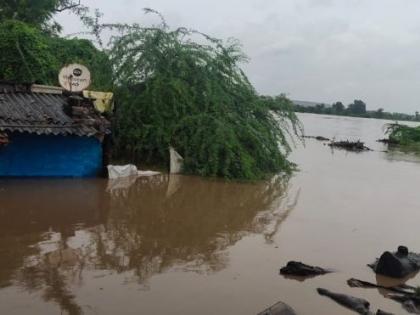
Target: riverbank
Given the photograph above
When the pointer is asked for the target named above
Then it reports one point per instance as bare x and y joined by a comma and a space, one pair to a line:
369, 114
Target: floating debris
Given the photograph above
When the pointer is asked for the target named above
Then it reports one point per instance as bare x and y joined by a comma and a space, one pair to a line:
397, 265
404, 294
388, 141
279, 308
296, 268
403, 289
410, 303
358, 305
356, 146
381, 312
319, 138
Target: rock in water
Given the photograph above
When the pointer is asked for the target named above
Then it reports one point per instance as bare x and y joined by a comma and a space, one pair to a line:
398, 264
358, 305
279, 308
296, 268
380, 312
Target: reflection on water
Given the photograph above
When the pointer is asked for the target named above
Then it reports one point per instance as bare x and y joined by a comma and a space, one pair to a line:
54, 232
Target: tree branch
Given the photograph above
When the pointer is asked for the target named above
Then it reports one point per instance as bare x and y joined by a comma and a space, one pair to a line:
67, 7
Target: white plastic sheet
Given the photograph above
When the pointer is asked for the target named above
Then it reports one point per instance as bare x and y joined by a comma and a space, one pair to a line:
120, 171
177, 161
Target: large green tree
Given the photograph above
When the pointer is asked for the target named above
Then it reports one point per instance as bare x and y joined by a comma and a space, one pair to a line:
174, 89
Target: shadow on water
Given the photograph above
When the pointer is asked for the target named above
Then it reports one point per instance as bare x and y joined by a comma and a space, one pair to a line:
53, 232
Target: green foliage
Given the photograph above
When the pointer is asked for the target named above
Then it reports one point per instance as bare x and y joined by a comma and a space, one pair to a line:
403, 134
37, 13
31, 12
177, 89
30, 55
25, 56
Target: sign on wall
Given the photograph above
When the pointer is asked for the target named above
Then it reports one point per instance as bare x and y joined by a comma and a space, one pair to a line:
74, 77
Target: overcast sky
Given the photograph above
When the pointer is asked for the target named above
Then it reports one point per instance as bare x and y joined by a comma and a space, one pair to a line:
312, 50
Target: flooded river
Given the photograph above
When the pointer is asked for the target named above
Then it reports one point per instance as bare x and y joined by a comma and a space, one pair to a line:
187, 245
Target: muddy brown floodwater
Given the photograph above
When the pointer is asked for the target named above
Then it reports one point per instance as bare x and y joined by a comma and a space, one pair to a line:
187, 245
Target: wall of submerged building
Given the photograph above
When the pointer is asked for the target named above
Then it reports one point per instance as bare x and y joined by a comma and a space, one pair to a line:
32, 155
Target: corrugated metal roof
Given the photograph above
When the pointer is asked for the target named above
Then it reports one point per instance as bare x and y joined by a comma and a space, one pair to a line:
39, 113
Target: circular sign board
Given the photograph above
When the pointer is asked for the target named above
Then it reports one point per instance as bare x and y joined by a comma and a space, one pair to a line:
74, 77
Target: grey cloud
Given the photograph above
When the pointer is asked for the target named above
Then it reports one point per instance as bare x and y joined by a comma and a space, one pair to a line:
315, 50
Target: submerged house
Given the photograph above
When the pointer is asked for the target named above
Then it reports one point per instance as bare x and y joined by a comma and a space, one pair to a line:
45, 133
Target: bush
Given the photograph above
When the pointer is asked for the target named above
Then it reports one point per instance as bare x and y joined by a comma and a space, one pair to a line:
403, 134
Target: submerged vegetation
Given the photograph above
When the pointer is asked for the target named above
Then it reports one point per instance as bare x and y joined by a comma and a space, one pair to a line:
403, 134
178, 88
193, 96
356, 146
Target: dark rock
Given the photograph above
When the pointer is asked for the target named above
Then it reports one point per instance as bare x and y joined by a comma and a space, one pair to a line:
296, 268
398, 264
358, 305
279, 308
380, 312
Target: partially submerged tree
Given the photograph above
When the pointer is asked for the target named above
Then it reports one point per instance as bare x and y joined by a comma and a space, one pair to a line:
185, 89
403, 134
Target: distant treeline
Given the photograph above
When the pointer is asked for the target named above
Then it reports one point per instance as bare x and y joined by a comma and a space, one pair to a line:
355, 109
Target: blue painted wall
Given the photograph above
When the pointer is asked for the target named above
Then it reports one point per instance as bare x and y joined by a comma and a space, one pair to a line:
30, 155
